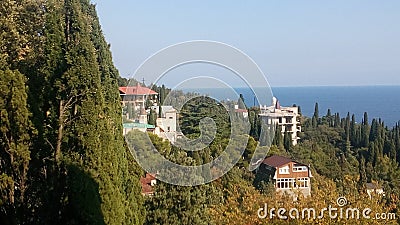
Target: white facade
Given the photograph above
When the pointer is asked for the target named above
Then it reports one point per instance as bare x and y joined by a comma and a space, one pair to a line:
286, 117
166, 124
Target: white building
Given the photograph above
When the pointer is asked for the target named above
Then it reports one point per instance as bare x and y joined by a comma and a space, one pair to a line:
288, 118
166, 124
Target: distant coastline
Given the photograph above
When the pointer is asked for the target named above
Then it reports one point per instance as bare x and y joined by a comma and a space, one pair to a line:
379, 101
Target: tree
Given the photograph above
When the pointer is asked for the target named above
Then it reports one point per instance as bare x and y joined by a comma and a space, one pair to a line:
178, 205
16, 131
365, 129
287, 141
152, 117
80, 171
315, 118
241, 103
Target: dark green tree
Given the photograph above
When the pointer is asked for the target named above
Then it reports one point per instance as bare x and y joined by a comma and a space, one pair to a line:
152, 117
287, 141
16, 131
315, 118
241, 103
79, 171
365, 129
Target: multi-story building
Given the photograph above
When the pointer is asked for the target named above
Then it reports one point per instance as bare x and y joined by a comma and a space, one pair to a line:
289, 176
166, 124
287, 118
137, 96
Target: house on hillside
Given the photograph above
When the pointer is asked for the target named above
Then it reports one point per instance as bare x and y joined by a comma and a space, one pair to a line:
148, 182
137, 96
373, 188
287, 118
289, 176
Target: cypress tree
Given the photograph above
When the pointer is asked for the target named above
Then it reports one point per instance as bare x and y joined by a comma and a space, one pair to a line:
287, 141
241, 102
16, 131
365, 131
353, 131
299, 108
152, 117
278, 139
80, 171
126, 178
315, 118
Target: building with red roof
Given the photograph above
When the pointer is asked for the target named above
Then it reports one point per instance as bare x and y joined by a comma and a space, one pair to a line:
289, 176
148, 182
137, 96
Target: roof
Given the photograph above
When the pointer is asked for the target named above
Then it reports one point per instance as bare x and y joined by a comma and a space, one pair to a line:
373, 186
136, 90
145, 182
277, 161
241, 110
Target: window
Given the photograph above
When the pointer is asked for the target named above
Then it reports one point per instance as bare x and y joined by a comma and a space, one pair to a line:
288, 120
303, 182
171, 117
169, 129
285, 183
299, 168
284, 170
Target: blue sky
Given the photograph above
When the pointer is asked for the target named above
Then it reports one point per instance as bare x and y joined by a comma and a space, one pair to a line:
295, 43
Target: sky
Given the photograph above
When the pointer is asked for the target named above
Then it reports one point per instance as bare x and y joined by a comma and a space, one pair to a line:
295, 43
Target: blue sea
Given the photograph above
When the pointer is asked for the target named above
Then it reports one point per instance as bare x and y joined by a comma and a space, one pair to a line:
379, 101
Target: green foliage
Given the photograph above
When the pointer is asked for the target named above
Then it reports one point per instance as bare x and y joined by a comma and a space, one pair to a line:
75, 169
241, 104
315, 118
16, 132
152, 117
179, 205
202, 107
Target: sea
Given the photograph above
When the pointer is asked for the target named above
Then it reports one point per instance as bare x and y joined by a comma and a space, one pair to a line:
378, 101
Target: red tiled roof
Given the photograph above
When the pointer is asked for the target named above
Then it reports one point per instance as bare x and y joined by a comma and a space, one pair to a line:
277, 161
241, 110
146, 184
136, 90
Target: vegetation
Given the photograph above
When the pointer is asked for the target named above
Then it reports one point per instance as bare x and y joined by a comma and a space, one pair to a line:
62, 156
335, 149
63, 159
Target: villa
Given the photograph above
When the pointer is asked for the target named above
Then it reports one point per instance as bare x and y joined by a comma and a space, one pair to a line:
137, 96
287, 118
289, 176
